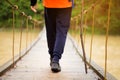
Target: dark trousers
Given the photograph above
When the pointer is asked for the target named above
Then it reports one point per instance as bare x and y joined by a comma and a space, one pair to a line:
57, 22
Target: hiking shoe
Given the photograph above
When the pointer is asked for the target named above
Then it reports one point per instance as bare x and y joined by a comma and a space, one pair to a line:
55, 67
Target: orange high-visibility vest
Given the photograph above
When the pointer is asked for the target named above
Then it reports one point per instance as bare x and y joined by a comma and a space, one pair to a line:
57, 3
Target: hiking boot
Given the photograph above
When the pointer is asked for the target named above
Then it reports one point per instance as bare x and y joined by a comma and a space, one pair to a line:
55, 67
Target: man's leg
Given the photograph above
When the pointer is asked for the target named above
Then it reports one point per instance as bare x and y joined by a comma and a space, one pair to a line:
62, 26
50, 22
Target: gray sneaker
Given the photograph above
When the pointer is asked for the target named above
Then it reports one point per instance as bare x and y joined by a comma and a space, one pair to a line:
55, 67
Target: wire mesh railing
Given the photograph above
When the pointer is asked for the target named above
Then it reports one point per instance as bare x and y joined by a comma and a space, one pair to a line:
18, 39
79, 32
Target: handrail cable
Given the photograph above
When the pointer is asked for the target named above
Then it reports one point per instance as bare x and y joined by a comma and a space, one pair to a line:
15, 6
107, 34
91, 7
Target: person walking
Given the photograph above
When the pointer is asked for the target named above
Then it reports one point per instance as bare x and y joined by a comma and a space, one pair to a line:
57, 15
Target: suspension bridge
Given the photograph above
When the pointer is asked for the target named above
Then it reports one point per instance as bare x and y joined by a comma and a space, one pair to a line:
32, 61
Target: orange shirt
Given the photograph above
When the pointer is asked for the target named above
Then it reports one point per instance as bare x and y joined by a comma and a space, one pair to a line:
57, 3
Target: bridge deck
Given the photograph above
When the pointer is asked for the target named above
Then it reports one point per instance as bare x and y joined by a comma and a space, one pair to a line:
35, 65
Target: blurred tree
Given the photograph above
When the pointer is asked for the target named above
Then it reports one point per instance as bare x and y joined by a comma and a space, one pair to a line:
6, 11
100, 14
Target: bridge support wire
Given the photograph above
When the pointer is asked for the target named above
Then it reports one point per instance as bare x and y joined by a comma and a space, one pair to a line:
85, 23
13, 37
81, 36
93, 23
15, 7
106, 41
21, 30
26, 31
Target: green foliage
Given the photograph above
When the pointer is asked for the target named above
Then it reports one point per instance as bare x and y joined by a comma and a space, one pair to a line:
101, 12
101, 15
23, 5
4, 10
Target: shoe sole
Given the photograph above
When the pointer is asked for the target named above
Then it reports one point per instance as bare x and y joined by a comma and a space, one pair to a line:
55, 70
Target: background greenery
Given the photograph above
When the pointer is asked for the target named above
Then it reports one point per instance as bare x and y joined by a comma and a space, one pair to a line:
100, 14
